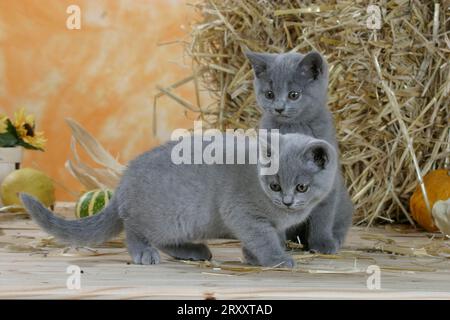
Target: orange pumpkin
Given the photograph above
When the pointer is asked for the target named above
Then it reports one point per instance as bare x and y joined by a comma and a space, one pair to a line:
437, 184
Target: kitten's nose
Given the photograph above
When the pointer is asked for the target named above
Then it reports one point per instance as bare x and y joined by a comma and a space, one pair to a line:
279, 110
287, 202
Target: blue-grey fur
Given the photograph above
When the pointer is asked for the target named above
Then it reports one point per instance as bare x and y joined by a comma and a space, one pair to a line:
174, 208
329, 222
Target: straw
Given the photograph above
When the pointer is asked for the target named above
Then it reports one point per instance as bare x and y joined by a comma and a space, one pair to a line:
391, 112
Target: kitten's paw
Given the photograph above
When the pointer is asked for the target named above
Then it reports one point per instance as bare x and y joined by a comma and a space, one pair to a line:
288, 263
282, 261
189, 251
147, 256
324, 246
199, 253
249, 258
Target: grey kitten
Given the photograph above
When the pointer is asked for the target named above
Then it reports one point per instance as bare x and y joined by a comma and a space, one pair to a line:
291, 89
173, 208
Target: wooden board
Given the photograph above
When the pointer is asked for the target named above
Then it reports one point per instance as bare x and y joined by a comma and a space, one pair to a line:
32, 265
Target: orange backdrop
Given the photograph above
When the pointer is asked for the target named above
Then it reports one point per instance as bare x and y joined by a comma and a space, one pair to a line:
103, 75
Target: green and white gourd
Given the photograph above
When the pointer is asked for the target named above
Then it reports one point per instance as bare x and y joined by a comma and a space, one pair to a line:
92, 202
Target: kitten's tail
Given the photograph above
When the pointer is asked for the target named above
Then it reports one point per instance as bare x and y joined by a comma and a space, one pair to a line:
83, 232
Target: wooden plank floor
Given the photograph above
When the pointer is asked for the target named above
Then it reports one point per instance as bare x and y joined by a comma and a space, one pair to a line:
32, 265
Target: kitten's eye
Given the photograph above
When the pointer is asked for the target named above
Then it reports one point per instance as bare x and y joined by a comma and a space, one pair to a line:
269, 95
275, 187
293, 95
302, 188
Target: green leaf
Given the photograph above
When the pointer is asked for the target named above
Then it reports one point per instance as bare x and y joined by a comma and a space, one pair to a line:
8, 140
11, 129
27, 145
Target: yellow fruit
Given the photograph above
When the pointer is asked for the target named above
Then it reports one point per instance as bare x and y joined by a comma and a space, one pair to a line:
437, 184
30, 181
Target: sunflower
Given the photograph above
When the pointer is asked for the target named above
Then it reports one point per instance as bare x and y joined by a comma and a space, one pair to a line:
25, 128
3, 124
24, 124
37, 140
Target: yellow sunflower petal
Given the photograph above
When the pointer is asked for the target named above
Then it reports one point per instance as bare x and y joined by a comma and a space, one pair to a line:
37, 141
22, 121
19, 116
29, 119
24, 125
3, 124
19, 121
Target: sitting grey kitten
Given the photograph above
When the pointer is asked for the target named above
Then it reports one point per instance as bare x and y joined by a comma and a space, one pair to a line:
291, 89
173, 208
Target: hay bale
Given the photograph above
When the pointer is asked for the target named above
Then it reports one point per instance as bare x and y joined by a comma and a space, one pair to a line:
413, 52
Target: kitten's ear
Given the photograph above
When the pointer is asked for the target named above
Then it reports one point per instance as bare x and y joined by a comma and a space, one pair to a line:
318, 154
259, 62
312, 66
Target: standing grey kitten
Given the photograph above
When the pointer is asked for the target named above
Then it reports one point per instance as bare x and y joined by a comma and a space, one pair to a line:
173, 208
291, 89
